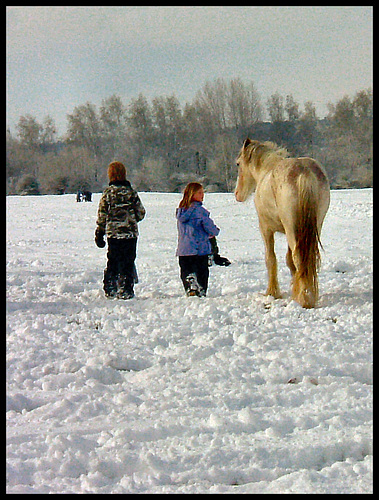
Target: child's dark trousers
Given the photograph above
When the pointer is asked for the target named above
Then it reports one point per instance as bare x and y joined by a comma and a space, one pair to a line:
119, 276
194, 264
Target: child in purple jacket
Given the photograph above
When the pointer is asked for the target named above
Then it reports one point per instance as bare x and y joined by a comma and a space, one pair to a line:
195, 228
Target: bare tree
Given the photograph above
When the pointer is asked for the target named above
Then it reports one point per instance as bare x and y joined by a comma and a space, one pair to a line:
29, 131
275, 108
139, 118
292, 108
244, 108
84, 128
211, 101
307, 127
113, 125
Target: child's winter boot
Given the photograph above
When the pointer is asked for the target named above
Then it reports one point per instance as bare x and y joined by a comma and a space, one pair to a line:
110, 284
124, 288
192, 286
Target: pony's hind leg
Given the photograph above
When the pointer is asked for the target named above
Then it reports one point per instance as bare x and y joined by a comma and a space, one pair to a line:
302, 289
290, 263
296, 283
271, 264
304, 284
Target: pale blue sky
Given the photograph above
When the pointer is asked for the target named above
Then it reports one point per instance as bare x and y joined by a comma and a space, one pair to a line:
61, 57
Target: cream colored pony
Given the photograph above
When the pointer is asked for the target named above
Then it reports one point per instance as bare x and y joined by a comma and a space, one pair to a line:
292, 196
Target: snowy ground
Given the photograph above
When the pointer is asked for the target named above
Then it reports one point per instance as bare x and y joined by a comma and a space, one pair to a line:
169, 394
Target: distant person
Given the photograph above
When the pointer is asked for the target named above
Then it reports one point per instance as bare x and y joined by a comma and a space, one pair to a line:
195, 228
120, 210
83, 196
87, 195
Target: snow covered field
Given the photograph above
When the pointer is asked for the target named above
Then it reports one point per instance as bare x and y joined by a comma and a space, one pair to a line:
169, 394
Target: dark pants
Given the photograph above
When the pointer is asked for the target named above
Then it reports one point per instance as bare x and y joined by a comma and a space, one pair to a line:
119, 276
197, 264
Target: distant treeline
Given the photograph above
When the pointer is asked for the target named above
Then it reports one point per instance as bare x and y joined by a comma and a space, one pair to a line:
164, 145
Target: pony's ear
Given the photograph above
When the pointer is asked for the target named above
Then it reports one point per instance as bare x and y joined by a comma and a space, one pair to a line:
246, 143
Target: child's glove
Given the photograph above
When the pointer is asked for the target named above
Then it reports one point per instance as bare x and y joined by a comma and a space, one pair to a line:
221, 261
99, 238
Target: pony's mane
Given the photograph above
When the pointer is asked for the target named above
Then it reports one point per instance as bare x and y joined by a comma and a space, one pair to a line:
255, 156
263, 152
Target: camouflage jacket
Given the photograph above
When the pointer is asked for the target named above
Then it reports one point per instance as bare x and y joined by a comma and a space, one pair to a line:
120, 209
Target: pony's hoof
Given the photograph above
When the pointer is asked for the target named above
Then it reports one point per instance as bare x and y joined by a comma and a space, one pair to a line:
307, 301
306, 304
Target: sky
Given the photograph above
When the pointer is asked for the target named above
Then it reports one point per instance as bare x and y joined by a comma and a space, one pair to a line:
62, 57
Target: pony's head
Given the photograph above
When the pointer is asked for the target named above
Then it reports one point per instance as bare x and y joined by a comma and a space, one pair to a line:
250, 161
246, 181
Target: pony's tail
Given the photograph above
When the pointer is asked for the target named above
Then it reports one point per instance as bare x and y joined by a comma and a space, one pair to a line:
305, 284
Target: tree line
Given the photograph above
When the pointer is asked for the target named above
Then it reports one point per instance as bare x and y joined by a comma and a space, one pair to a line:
165, 145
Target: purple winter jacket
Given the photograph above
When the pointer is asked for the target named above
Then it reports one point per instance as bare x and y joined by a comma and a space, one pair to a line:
195, 227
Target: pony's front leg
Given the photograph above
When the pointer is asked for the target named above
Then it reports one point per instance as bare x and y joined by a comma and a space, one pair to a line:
271, 264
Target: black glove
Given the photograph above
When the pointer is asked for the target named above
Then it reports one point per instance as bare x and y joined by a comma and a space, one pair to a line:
221, 261
214, 246
99, 238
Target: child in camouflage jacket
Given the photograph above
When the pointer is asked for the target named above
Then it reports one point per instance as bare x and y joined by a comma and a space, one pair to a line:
120, 210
